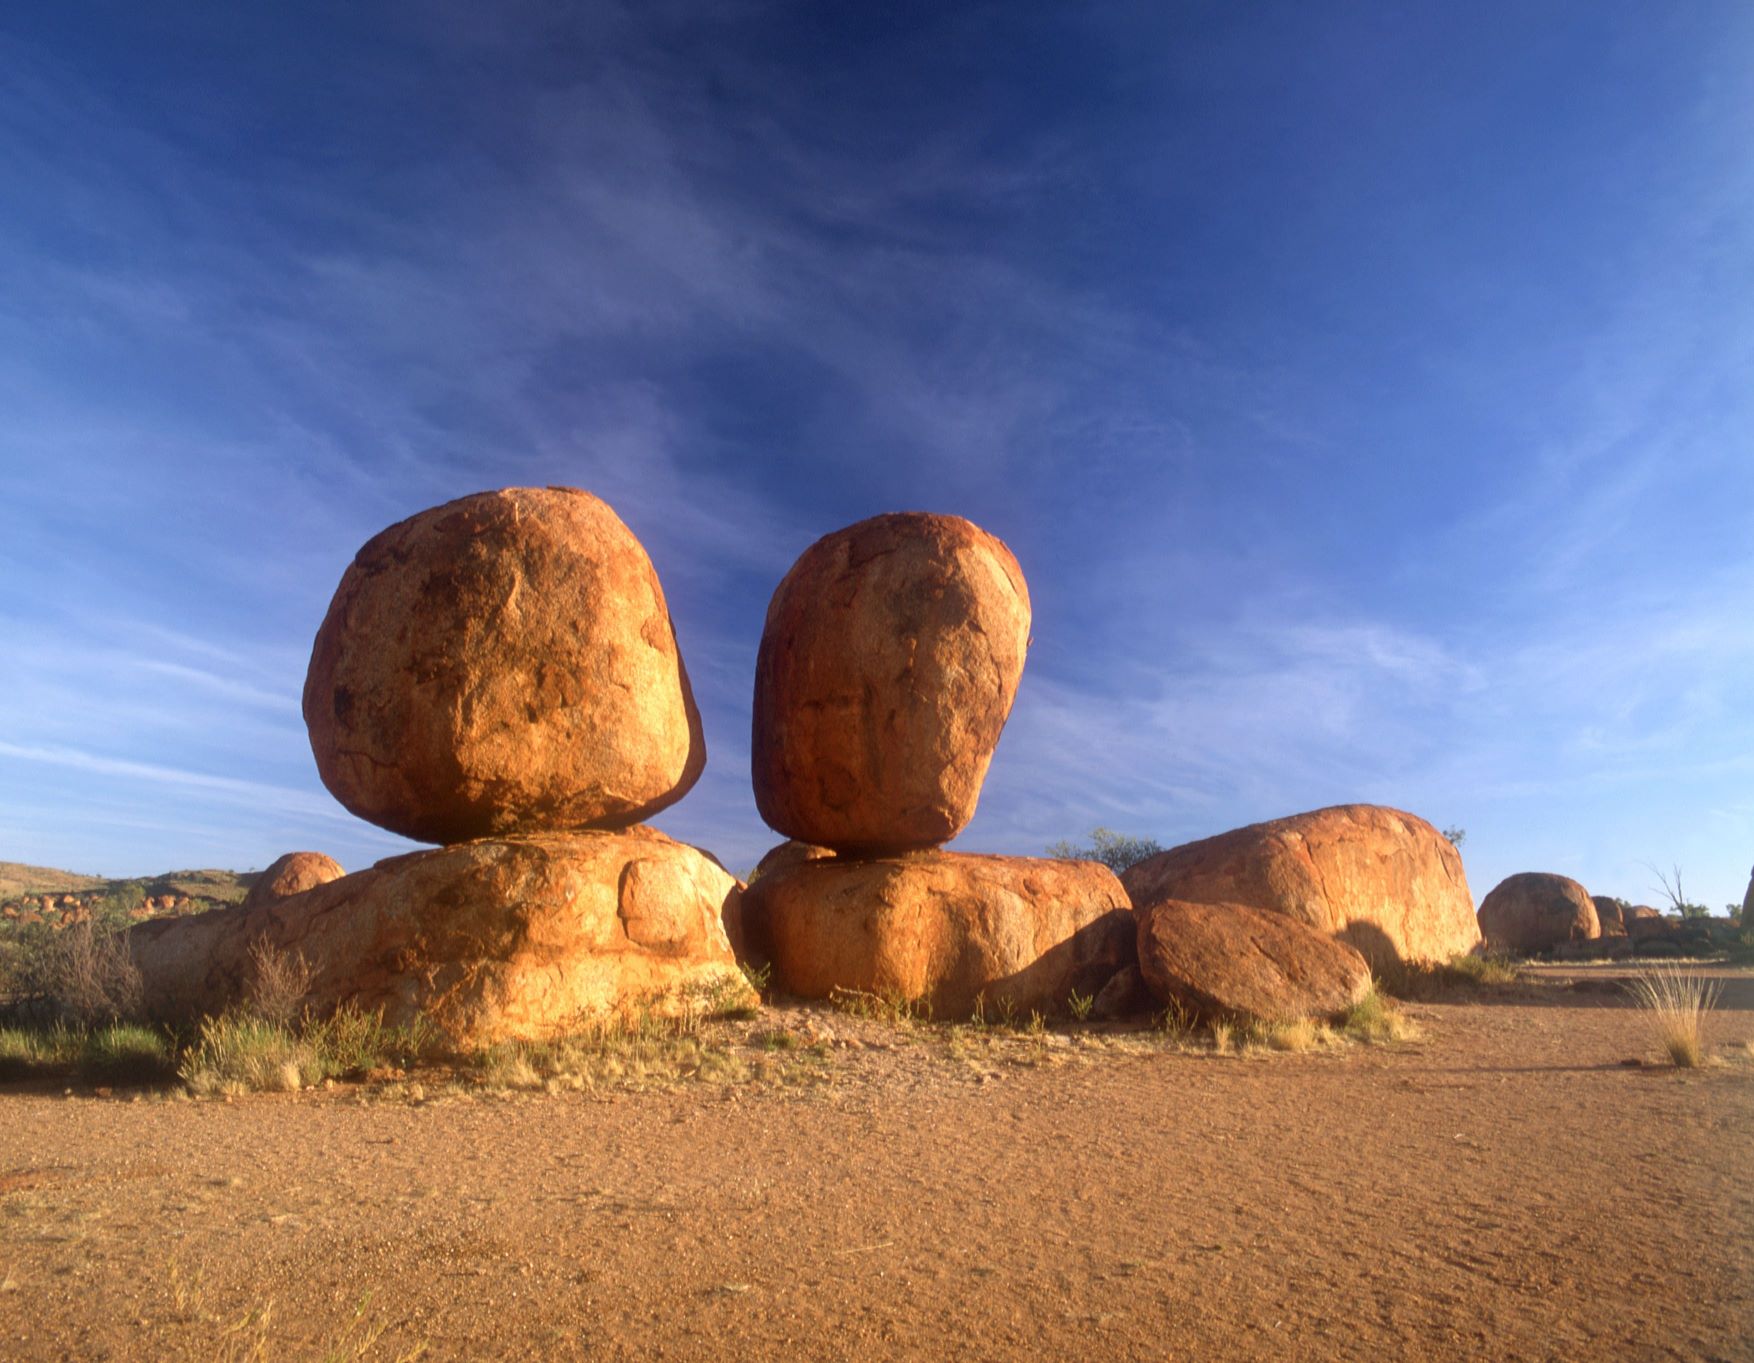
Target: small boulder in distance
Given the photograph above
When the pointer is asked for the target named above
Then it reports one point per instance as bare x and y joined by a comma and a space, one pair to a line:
1609, 915
291, 874
1536, 911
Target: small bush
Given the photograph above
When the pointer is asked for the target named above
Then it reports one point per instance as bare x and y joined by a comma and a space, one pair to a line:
1677, 1001
1374, 1018
278, 983
1462, 973
86, 976
1114, 850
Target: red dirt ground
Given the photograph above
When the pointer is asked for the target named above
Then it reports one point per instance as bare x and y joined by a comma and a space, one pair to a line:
1504, 1189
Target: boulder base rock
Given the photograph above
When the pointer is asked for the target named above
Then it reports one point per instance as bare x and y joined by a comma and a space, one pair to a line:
1384, 881
888, 664
293, 873
1609, 915
503, 663
1234, 961
1126, 995
1643, 921
949, 932
1536, 911
517, 938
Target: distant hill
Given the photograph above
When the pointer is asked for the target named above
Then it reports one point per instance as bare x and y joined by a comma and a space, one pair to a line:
43, 894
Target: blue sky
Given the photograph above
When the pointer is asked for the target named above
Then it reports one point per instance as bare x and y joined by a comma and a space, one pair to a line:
1367, 390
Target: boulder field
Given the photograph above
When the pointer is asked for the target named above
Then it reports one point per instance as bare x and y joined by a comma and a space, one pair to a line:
1384, 881
888, 663
526, 937
502, 663
1234, 961
953, 933
1536, 911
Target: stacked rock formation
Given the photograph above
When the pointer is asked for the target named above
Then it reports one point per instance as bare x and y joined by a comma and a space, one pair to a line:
888, 664
498, 674
292, 874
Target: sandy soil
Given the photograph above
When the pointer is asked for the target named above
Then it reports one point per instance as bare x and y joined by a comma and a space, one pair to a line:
1505, 1188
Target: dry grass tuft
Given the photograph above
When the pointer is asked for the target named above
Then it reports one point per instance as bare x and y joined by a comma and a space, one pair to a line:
1374, 1018
1677, 1000
278, 983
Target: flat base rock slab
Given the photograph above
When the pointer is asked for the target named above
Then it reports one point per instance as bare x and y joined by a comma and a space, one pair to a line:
1536, 911
1385, 881
947, 931
521, 938
1234, 961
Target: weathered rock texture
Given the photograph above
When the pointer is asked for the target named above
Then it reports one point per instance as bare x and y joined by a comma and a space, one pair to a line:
1609, 915
293, 873
1644, 921
887, 668
1386, 882
1230, 960
518, 938
943, 930
1536, 911
502, 663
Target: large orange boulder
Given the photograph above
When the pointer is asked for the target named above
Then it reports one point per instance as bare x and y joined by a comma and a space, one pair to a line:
291, 874
951, 933
1233, 961
524, 938
503, 663
1382, 880
887, 668
1536, 911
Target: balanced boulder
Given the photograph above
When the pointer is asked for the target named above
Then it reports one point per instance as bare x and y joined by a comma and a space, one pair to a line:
1536, 911
292, 874
951, 933
889, 660
1382, 880
1234, 961
524, 938
503, 663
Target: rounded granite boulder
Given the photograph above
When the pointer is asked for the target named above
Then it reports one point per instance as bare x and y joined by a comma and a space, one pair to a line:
504, 663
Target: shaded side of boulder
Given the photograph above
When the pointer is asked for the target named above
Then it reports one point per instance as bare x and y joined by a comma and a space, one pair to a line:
1234, 961
951, 933
1609, 915
1536, 911
522, 938
503, 663
1126, 995
1384, 881
292, 874
889, 660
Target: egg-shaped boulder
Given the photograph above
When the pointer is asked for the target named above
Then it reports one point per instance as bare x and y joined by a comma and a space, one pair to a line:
292, 874
504, 663
890, 658
1536, 911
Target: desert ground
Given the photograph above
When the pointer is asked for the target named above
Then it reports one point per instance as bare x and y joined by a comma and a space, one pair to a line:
1526, 1180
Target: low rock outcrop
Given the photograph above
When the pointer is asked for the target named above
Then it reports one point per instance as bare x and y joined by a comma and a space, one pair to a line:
1234, 961
503, 663
525, 937
1384, 881
1536, 911
888, 663
291, 874
952, 933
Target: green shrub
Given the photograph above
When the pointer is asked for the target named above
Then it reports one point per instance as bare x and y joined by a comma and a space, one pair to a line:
1117, 851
